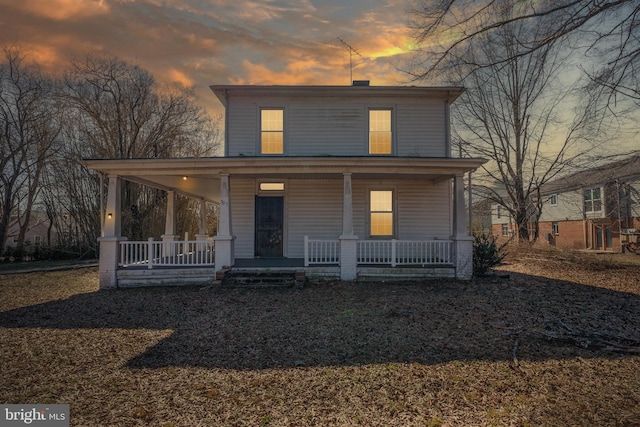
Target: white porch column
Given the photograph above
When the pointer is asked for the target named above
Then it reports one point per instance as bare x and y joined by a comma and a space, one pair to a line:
459, 212
463, 242
109, 243
170, 219
348, 241
224, 240
202, 226
347, 206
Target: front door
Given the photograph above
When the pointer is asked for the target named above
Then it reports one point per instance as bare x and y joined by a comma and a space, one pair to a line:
269, 226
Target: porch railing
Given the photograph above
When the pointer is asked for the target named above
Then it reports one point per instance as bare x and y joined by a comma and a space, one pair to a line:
321, 251
192, 253
381, 252
405, 252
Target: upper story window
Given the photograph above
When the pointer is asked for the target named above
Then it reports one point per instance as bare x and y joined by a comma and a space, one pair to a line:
499, 211
554, 200
380, 135
381, 213
272, 131
592, 200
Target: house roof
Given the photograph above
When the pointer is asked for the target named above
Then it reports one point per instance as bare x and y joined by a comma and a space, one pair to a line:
449, 93
608, 172
203, 174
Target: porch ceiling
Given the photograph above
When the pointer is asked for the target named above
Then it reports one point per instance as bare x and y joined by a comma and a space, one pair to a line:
203, 174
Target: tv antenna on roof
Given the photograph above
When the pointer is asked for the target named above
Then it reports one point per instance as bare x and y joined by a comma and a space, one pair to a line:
352, 51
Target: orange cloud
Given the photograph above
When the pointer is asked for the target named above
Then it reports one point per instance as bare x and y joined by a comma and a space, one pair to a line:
60, 10
304, 72
177, 76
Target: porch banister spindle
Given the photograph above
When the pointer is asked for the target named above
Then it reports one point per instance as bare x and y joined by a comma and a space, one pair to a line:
393, 253
150, 253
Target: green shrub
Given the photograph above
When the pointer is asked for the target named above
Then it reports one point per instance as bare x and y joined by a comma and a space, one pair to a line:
486, 253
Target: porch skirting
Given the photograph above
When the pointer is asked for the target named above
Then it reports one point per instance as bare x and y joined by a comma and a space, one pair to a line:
134, 278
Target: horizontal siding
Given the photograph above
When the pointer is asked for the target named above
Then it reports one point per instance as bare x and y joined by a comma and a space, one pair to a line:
335, 128
338, 126
314, 209
422, 209
243, 127
242, 215
420, 129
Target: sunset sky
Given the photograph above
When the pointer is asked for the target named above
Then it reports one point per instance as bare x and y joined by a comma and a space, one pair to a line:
203, 42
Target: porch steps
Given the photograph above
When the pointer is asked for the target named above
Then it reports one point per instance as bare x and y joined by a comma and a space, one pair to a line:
263, 278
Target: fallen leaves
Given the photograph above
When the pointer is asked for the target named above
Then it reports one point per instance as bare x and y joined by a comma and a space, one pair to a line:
436, 353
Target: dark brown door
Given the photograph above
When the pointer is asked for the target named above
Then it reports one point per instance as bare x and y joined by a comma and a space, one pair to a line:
269, 226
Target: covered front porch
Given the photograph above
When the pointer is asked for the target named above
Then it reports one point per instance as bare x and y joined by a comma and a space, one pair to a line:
344, 255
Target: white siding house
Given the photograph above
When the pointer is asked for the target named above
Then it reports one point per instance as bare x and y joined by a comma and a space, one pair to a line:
323, 179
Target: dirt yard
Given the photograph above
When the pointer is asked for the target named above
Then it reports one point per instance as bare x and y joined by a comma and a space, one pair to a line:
552, 339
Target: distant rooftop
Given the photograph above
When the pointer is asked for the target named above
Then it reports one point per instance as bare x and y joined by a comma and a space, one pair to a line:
621, 169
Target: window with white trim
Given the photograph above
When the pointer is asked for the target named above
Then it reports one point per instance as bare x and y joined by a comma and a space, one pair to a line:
381, 213
554, 200
272, 131
380, 133
554, 228
505, 229
592, 200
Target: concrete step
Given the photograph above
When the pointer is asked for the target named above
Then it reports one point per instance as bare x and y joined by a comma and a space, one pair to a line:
248, 278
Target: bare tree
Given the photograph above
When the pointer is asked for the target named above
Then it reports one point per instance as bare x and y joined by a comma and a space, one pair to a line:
608, 28
117, 110
28, 136
511, 114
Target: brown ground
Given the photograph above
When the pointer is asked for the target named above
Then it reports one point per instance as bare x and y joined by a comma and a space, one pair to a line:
553, 341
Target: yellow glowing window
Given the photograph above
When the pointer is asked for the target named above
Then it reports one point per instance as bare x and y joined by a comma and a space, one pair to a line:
272, 131
379, 131
272, 186
381, 213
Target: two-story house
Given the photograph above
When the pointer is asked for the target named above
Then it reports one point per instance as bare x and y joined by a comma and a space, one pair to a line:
598, 208
345, 181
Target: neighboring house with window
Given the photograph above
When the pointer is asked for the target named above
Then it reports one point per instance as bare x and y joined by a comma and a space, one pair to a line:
38, 233
598, 208
344, 181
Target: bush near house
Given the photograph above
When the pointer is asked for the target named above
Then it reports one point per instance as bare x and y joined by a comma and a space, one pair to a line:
486, 252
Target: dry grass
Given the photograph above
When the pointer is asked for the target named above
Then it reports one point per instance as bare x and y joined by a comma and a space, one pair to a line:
440, 353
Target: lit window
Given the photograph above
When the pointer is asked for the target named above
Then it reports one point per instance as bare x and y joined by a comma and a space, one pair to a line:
381, 213
272, 186
272, 131
554, 228
505, 229
554, 200
592, 200
379, 131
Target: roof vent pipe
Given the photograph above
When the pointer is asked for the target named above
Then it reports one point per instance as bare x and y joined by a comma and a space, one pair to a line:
361, 83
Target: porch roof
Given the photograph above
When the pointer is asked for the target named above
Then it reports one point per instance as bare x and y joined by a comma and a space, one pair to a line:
200, 177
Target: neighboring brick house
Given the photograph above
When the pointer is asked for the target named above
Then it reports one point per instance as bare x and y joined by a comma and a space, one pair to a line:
590, 209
